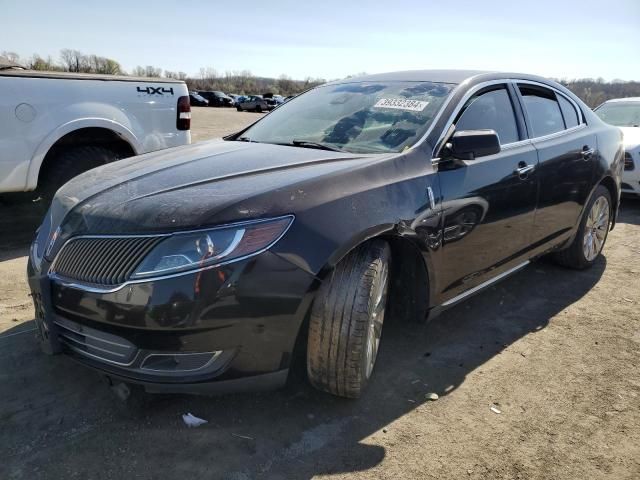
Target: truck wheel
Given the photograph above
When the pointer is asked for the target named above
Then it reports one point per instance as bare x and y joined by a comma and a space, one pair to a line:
68, 163
592, 233
346, 321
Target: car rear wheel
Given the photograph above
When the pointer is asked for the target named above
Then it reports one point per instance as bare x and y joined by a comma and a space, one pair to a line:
592, 233
346, 321
258, 109
68, 163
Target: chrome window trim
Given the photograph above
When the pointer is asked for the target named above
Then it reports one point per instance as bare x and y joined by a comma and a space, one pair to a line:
440, 111
561, 133
557, 92
514, 82
97, 289
472, 91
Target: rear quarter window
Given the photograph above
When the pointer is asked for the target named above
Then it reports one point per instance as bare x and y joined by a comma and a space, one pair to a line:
571, 117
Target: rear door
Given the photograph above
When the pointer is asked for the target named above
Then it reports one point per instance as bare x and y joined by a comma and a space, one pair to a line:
566, 155
488, 204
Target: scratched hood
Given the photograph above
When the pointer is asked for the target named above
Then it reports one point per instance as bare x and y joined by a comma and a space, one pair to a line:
188, 187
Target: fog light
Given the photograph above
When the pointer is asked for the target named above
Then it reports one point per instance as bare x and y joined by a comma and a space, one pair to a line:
178, 362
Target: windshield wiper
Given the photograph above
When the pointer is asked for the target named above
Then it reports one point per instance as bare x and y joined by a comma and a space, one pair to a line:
318, 145
245, 139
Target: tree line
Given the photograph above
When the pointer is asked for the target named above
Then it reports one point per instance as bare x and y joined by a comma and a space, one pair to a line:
592, 91
240, 82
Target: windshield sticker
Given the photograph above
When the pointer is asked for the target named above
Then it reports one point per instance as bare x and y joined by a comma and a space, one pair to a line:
401, 104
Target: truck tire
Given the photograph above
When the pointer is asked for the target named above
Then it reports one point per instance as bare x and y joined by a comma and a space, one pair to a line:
591, 235
68, 163
346, 321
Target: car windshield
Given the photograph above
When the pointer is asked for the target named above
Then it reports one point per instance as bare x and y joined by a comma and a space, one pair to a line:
620, 114
362, 117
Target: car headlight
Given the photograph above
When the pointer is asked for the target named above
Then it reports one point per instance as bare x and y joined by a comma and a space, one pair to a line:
194, 250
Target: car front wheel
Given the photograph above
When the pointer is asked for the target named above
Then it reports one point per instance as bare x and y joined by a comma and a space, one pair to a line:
346, 321
592, 233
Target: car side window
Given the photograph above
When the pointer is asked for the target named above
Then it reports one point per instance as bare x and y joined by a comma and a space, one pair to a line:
490, 110
543, 110
571, 117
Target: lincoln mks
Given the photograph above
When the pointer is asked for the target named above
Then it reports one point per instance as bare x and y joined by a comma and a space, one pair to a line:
214, 267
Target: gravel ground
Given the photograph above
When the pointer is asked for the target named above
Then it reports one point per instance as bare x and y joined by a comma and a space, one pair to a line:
556, 352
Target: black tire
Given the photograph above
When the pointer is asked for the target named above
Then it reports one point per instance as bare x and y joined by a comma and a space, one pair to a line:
68, 163
258, 109
340, 327
574, 255
239, 109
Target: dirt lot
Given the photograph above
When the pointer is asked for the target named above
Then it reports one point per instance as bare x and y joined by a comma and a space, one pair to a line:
557, 352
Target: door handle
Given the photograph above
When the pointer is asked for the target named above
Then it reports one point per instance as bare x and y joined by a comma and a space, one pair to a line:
587, 152
523, 169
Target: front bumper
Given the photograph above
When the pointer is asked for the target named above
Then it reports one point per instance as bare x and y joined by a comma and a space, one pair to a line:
229, 328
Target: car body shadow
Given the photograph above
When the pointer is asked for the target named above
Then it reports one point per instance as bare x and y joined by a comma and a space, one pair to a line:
296, 432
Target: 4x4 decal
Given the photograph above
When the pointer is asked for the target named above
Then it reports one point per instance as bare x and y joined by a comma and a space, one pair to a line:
155, 90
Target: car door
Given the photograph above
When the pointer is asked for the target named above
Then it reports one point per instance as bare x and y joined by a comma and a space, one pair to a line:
488, 204
566, 159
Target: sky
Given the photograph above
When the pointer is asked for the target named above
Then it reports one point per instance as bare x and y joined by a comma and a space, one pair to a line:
332, 39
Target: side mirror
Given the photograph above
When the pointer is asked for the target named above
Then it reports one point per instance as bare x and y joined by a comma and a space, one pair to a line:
471, 144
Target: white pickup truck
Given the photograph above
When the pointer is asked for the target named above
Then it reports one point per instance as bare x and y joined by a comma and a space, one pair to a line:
54, 126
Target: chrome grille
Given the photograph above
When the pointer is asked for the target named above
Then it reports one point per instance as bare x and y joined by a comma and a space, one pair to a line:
104, 261
628, 162
93, 343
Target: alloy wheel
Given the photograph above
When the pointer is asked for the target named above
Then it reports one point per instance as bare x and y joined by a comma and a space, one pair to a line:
596, 228
376, 319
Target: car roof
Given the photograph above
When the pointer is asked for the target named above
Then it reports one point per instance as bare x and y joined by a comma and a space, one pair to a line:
443, 76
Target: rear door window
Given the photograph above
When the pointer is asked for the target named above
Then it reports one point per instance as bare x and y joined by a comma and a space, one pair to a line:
543, 110
490, 110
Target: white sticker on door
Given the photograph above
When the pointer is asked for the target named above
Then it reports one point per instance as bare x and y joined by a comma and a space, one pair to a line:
401, 104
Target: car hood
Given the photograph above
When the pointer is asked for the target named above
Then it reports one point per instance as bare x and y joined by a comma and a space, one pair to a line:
189, 187
631, 136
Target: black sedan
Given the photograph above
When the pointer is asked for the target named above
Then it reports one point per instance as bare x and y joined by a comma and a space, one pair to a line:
217, 99
197, 100
209, 267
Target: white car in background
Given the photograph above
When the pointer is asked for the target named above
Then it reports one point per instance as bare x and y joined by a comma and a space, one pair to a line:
625, 113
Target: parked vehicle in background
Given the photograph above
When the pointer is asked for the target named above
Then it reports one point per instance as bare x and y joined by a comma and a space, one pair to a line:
209, 267
239, 99
625, 114
217, 99
273, 100
198, 100
234, 97
57, 125
254, 103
